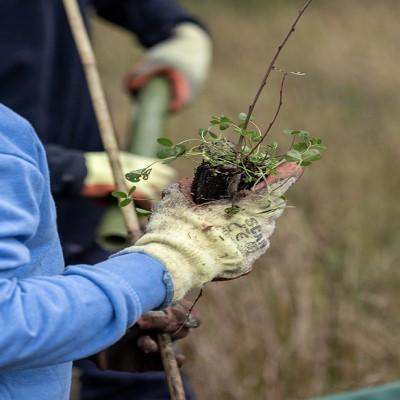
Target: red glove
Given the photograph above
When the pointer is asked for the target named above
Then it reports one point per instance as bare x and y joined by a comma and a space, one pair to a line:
183, 59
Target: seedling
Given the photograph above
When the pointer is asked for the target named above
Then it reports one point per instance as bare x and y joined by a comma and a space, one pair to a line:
233, 152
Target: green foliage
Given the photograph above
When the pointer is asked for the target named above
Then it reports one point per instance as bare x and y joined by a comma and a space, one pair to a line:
307, 150
254, 161
123, 198
232, 210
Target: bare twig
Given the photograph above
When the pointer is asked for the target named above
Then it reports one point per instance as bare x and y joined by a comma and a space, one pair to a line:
110, 144
188, 314
269, 69
278, 109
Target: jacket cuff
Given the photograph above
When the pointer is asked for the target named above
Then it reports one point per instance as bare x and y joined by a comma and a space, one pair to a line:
147, 277
67, 170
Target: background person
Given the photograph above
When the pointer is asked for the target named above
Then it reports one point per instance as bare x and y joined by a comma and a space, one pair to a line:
43, 80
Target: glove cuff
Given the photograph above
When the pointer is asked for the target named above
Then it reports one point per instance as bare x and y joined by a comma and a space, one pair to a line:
181, 264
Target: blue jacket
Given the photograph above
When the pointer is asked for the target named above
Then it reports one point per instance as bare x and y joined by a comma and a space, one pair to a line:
48, 315
41, 78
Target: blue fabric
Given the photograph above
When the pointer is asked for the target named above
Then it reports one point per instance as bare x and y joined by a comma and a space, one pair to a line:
106, 385
48, 315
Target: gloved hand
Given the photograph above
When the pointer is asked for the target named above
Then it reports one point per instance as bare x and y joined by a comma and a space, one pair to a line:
99, 180
200, 243
184, 59
138, 350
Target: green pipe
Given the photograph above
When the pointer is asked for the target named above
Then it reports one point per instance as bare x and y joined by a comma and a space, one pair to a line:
147, 124
148, 118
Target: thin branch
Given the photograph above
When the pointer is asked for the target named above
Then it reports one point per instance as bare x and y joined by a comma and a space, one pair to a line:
270, 67
278, 109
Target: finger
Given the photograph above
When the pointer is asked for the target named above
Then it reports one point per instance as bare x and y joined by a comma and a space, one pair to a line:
153, 320
147, 344
180, 359
192, 322
284, 172
180, 333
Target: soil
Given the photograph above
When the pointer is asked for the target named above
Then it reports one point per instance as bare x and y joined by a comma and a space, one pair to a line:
212, 183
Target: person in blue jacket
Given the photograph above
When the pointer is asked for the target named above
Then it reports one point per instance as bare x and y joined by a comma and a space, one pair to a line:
51, 315
42, 79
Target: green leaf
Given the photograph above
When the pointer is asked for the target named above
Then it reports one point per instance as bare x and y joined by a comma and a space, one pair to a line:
134, 176
319, 147
119, 195
125, 202
232, 210
305, 135
213, 135
239, 131
131, 190
163, 141
224, 125
300, 146
223, 118
180, 150
166, 152
316, 140
214, 120
242, 116
142, 212
311, 155
256, 158
291, 132
202, 132
174, 152
273, 146
293, 155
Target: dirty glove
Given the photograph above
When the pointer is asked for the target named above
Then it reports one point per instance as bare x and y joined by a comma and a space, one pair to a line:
200, 243
137, 350
183, 59
99, 181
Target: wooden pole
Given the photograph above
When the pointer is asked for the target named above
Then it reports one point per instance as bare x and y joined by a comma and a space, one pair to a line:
110, 144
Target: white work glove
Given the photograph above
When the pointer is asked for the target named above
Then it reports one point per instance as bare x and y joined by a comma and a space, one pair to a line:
201, 243
99, 181
183, 59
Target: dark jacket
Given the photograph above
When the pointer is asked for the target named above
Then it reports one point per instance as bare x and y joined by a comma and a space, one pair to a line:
41, 78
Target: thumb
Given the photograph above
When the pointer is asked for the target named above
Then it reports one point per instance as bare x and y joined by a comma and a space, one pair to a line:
277, 184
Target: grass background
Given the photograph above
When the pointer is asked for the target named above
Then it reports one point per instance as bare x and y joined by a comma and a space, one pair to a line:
319, 314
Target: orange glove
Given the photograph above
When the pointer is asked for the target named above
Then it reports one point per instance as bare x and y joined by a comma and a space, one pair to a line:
183, 59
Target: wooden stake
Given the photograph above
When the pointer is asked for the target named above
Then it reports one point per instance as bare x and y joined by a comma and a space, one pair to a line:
110, 144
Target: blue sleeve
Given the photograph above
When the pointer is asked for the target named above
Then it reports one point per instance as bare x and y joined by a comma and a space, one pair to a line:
151, 20
51, 320
47, 320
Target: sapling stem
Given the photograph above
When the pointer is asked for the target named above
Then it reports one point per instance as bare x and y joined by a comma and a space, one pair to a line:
271, 124
267, 74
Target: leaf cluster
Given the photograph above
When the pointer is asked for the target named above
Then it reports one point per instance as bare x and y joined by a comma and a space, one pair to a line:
254, 161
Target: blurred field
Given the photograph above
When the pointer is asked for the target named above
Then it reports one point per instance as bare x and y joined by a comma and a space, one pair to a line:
320, 313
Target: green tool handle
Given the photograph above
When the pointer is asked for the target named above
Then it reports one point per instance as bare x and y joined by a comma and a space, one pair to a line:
148, 117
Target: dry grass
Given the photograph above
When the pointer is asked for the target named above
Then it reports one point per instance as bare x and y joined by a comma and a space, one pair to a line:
320, 312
